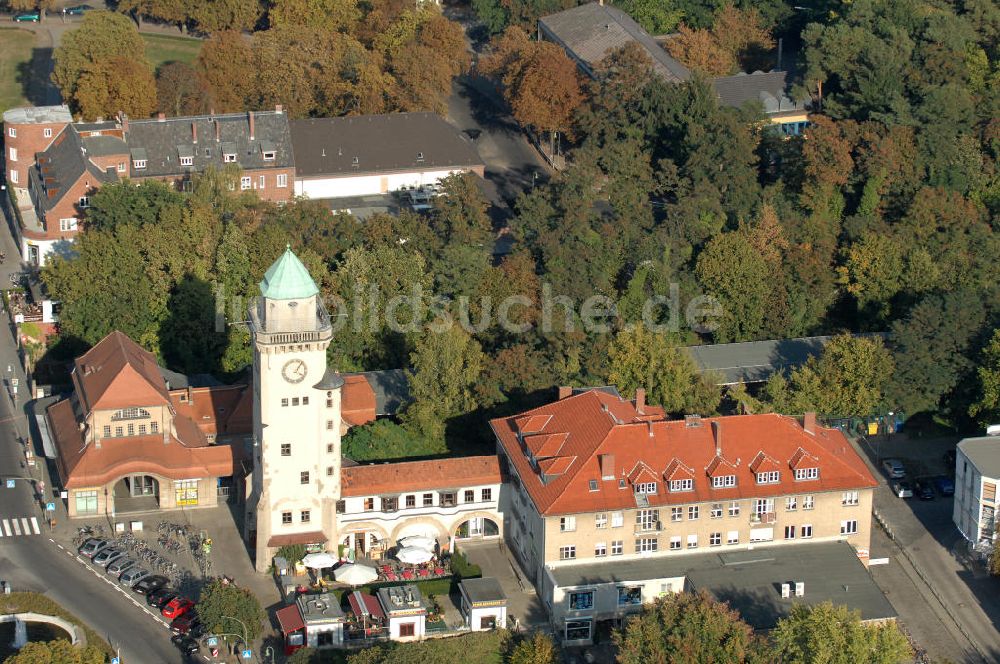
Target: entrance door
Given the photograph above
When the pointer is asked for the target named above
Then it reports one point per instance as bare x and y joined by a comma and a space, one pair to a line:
476, 526
360, 540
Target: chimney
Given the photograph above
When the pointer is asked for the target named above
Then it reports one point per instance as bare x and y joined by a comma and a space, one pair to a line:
161, 117
124, 122
640, 400
565, 391
717, 435
194, 133
607, 462
190, 395
278, 108
218, 131
809, 422
250, 119
649, 427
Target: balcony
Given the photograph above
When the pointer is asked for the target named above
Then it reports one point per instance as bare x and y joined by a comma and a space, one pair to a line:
323, 331
763, 517
654, 528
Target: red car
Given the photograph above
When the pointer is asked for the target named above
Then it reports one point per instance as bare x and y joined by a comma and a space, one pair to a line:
176, 607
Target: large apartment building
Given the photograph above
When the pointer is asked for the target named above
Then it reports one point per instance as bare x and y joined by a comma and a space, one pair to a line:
977, 474
597, 482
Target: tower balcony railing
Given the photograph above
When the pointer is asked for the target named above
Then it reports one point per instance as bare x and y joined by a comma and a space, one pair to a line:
323, 331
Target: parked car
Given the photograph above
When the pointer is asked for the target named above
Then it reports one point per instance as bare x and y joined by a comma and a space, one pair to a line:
159, 598
148, 584
922, 488
27, 17
186, 623
132, 576
894, 469
185, 644
107, 555
93, 546
77, 10
116, 568
944, 485
902, 488
176, 607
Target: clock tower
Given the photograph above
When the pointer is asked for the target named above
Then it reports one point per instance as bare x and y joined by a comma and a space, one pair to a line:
296, 415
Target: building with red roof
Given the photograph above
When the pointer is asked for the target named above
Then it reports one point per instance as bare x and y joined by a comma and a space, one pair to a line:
595, 478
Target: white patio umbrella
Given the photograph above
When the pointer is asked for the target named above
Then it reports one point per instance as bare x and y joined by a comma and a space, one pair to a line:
355, 575
419, 541
413, 555
319, 560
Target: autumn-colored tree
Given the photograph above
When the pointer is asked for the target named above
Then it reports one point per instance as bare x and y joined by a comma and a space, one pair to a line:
535, 649
701, 51
425, 65
167, 11
340, 15
118, 84
101, 37
226, 66
59, 651
740, 33
237, 15
180, 90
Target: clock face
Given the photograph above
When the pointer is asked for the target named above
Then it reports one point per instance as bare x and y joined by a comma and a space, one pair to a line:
294, 371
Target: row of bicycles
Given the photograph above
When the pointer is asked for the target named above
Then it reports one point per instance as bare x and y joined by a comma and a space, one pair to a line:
141, 551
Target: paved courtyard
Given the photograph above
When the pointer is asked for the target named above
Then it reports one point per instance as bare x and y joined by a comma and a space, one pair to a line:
496, 561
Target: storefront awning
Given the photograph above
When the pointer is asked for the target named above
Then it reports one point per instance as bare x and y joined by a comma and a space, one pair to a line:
290, 619
365, 605
315, 537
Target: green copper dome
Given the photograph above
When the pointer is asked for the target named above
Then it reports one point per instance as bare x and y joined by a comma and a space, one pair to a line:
288, 279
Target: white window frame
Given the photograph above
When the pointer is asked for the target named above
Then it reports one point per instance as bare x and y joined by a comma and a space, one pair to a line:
716, 511
676, 514
567, 524
715, 539
268, 156
13, 175
85, 202
791, 503
12, 132
601, 520
734, 508
13, 154
567, 552
282, 180
646, 545
47, 132
138, 164
692, 541
681, 485
850, 498
69, 224
808, 502
261, 181
694, 512
245, 182
733, 537
807, 531
600, 549
723, 481
617, 519
804, 474
648, 488
675, 542
121, 166
769, 477
849, 527
789, 532
617, 547
229, 158
187, 161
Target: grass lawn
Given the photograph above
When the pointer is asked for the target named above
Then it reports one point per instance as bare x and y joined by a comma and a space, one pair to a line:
15, 55
161, 49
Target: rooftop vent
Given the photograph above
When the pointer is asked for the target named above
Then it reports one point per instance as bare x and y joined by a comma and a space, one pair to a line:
692, 420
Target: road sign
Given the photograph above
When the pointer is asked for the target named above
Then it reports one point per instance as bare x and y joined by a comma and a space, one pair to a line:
247, 654
115, 660
50, 507
10, 484
212, 641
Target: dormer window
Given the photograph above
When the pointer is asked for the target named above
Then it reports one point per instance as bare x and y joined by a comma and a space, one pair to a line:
269, 156
769, 477
187, 161
139, 164
681, 485
229, 157
802, 474
648, 488
723, 481
267, 150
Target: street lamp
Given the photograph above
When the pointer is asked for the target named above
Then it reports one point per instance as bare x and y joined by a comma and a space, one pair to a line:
243, 625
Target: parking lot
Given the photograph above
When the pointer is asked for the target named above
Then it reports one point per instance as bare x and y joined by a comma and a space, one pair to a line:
945, 600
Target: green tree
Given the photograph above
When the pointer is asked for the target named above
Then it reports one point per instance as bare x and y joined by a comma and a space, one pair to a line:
836, 635
59, 651
848, 378
446, 366
685, 627
732, 269
220, 602
658, 17
535, 649
653, 361
85, 54
986, 407
130, 203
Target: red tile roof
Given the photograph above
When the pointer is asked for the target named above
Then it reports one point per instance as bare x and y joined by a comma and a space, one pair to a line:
357, 400
218, 410
118, 373
452, 473
289, 619
83, 465
601, 425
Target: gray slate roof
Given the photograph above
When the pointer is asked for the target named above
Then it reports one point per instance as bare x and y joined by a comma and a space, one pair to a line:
590, 32
766, 87
61, 166
755, 361
391, 388
984, 453
750, 580
164, 140
104, 146
384, 143
178, 381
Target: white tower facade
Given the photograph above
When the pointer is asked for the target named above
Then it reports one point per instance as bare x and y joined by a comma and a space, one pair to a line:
296, 411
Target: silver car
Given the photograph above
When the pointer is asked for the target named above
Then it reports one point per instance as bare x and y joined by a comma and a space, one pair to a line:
107, 556
93, 546
116, 568
132, 576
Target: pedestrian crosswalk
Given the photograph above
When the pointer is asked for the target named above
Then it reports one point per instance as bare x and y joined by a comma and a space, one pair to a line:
19, 527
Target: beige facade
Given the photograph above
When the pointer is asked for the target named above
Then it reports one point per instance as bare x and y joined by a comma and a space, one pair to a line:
169, 494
